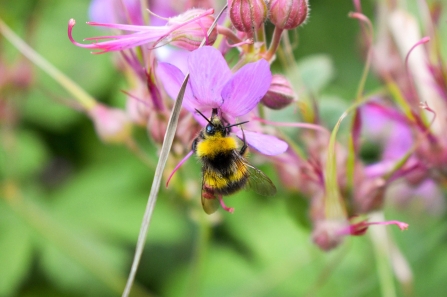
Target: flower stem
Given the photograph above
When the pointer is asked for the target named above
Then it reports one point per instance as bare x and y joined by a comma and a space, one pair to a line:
228, 34
379, 238
260, 36
276, 40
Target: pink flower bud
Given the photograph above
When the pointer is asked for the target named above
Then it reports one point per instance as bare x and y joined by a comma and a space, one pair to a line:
247, 15
192, 32
280, 93
288, 14
111, 124
326, 234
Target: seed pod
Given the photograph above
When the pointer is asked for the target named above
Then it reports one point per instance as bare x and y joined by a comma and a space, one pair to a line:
247, 15
280, 93
288, 14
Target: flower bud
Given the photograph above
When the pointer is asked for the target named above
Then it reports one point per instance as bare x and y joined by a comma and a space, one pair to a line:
326, 234
280, 93
288, 14
247, 15
191, 34
111, 124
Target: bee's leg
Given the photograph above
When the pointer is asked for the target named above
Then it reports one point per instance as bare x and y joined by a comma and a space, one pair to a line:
229, 209
244, 145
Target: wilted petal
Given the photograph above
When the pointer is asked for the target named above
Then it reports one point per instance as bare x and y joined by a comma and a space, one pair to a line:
172, 79
265, 144
209, 72
246, 88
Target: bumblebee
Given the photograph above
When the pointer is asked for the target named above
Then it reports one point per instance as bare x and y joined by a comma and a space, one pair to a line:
225, 169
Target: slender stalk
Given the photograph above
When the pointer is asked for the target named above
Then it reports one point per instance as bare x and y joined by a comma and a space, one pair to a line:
379, 238
287, 50
260, 36
352, 145
164, 153
276, 40
229, 34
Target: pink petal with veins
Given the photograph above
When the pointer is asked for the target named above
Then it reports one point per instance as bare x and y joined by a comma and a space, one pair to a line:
209, 73
246, 88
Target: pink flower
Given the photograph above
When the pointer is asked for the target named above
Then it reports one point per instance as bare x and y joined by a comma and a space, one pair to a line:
213, 85
186, 31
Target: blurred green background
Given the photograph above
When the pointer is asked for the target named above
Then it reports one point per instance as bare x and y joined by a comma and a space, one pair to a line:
71, 206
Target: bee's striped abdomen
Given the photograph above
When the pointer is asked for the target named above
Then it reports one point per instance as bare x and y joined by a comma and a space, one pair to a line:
223, 169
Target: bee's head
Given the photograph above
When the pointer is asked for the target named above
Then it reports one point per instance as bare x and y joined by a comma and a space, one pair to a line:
215, 126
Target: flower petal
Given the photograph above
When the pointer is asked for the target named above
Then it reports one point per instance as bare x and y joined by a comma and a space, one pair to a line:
102, 11
246, 88
265, 144
209, 72
172, 79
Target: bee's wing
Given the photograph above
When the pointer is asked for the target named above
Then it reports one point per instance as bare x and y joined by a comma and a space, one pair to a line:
210, 203
259, 182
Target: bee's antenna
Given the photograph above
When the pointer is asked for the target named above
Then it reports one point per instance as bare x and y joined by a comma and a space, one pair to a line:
204, 117
236, 124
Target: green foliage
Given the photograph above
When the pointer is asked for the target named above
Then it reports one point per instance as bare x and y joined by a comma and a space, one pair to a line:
16, 252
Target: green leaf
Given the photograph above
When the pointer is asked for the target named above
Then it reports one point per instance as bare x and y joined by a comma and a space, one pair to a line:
331, 107
68, 274
16, 252
24, 156
48, 113
268, 229
224, 271
109, 198
315, 71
